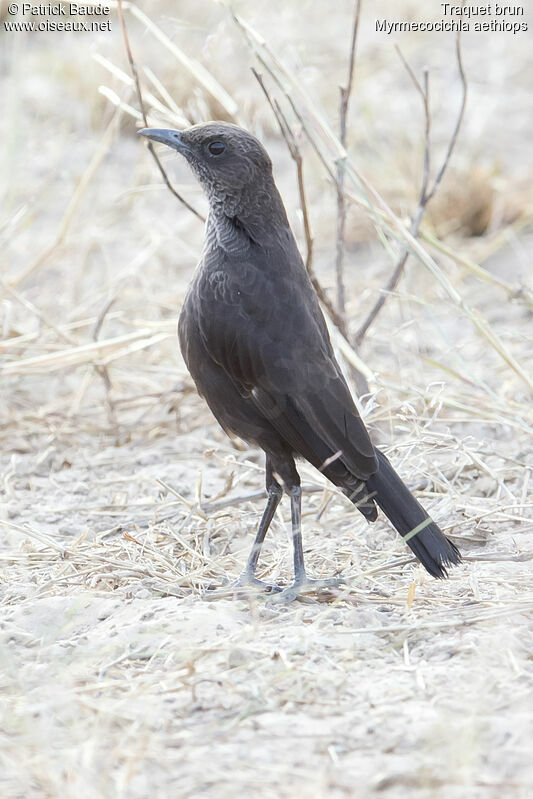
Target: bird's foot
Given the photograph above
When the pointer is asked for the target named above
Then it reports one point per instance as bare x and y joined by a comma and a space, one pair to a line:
249, 582
307, 585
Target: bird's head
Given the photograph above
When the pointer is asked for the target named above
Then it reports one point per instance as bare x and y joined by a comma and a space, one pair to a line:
230, 163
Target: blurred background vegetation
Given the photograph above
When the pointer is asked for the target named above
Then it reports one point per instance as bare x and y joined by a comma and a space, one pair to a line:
86, 217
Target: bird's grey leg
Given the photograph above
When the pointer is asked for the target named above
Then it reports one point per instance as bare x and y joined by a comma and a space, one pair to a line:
247, 576
297, 546
302, 583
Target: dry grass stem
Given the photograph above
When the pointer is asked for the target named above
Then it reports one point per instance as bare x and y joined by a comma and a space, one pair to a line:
345, 94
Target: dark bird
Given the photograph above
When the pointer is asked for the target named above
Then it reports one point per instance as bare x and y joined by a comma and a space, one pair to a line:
256, 344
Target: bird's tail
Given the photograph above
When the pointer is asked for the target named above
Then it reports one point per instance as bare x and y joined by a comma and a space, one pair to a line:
420, 533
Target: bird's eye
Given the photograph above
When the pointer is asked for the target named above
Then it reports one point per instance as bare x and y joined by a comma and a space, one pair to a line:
216, 147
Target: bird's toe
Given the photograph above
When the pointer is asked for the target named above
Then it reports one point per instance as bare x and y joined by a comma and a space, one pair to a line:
307, 586
248, 583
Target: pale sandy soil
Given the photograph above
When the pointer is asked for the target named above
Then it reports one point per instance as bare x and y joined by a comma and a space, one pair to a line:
127, 669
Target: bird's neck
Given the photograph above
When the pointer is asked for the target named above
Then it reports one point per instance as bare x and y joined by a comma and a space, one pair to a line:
237, 223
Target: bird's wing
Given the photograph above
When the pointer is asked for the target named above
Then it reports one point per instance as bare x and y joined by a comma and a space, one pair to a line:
271, 339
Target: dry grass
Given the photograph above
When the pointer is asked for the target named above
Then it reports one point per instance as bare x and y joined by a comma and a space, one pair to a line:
128, 668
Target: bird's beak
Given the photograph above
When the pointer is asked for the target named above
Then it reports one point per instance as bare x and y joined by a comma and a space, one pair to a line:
172, 138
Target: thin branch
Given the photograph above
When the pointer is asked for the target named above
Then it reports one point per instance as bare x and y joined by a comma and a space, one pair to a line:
298, 116
458, 122
345, 93
133, 68
389, 287
101, 317
426, 194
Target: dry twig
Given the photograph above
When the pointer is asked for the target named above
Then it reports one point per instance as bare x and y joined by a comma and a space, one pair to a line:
149, 144
345, 94
426, 193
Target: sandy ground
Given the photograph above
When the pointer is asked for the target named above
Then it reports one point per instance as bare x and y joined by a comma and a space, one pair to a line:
127, 667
